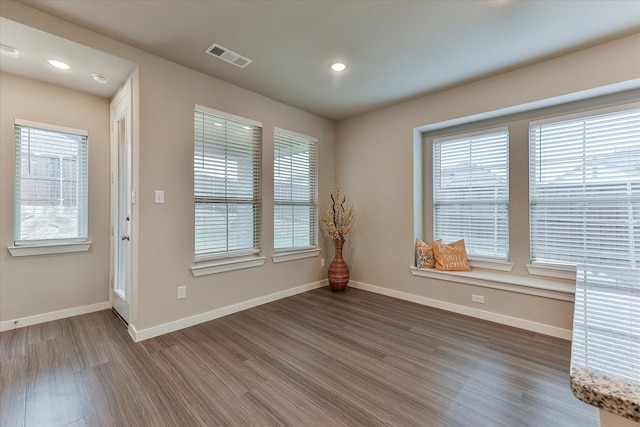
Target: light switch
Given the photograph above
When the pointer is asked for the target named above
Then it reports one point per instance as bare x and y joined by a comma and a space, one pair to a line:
159, 196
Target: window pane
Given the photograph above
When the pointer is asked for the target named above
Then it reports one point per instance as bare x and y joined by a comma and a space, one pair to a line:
584, 190
227, 184
224, 225
51, 200
485, 227
295, 191
292, 224
471, 192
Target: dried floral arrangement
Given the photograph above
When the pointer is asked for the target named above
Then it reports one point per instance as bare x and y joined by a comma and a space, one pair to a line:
336, 224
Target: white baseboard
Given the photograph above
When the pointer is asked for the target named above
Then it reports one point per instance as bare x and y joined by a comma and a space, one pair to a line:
145, 334
468, 311
224, 311
54, 315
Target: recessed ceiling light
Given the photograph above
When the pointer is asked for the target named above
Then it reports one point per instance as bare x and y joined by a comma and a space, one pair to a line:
9, 51
59, 64
338, 66
100, 78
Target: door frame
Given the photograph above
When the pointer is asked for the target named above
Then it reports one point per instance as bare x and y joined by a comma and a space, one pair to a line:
122, 104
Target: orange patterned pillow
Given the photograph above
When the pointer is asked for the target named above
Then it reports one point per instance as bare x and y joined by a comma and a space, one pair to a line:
451, 256
424, 255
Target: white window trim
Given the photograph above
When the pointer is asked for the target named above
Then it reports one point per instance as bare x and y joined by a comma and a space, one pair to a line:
292, 255
491, 264
554, 271
55, 128
567, 271
47, 249
230, 116
585, 114
293, 252
221, 266
222, 256
292, 133
225, 257
506, 282
455, 136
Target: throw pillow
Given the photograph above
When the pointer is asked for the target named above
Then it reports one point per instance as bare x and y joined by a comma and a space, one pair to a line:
424, 255
451, 256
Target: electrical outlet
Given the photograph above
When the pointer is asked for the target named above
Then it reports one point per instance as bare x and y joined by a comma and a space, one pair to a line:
182, 292
477, 298
322, 262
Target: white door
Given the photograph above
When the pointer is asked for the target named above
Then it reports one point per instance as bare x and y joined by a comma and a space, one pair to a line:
121, 200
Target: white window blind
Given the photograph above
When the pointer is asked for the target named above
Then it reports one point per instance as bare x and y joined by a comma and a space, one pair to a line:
471, 192
295, 191
51, 184
606, 331
227, 184
584, 190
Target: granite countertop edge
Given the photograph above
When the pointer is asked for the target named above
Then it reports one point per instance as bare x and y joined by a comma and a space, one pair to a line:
610, 394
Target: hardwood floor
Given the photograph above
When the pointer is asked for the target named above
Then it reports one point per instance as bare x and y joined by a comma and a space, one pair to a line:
314, 359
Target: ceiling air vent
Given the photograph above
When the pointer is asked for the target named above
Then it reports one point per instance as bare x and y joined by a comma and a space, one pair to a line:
228, 55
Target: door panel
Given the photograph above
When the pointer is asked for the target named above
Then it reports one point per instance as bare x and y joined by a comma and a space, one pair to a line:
121, 202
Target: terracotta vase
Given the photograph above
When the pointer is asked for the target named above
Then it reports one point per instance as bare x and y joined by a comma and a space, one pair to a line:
338, 273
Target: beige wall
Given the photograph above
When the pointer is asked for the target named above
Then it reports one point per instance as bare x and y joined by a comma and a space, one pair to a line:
41, 284
166, 238
375, 168
370, 157
164, 98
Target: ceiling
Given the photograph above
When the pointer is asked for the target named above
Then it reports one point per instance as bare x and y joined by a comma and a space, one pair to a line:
36, 47
394, 50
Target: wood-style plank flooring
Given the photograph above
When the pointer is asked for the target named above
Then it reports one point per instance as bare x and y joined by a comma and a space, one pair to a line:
314, 359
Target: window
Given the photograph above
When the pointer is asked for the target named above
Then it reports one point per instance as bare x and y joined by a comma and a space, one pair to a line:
584, 189
295, 191
471, 192
227, 184
51, 184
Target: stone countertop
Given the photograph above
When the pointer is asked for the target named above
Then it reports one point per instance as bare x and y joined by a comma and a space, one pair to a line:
605, 352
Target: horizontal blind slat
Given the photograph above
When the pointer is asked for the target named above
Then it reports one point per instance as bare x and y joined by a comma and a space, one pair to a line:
295, 191
227, 184
584, 189
607, 333
51, 184
471, 192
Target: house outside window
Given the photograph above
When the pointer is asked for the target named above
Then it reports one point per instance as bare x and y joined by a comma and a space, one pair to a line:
51, 184
227, 184
471, 192
584, 189
295, 191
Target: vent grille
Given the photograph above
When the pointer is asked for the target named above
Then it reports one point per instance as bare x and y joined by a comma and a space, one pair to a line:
228, 55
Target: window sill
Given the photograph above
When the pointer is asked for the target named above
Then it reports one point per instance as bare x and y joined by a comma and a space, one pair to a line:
220, 266
57, 248
506, 282
292, 255
556, 272
491, 265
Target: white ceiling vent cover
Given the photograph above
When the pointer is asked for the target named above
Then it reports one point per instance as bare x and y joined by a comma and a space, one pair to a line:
228, 55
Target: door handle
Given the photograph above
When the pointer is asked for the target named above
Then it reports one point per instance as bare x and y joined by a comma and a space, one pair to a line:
124, 238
